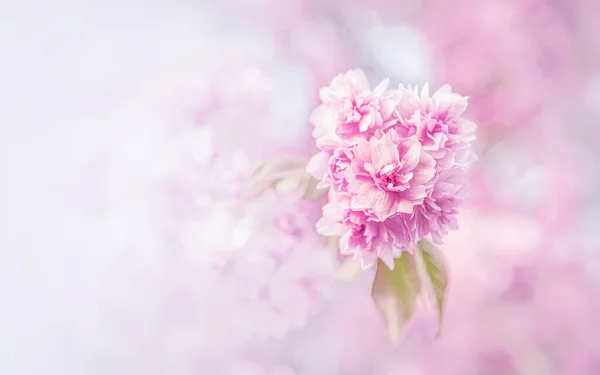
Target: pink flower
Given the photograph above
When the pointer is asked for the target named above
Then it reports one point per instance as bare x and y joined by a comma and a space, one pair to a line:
334, 211
361, 236
437, 123
392, 180
350, 108
438, 212
388, 175
329, 165
370, 240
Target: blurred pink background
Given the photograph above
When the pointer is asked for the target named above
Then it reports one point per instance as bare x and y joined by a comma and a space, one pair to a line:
128, 130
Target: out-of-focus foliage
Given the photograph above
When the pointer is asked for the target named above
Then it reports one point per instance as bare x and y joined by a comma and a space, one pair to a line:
128, 131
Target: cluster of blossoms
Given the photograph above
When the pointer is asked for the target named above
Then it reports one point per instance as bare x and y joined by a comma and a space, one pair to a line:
394, 161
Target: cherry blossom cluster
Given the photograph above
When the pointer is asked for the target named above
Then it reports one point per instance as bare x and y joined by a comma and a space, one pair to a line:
394, 161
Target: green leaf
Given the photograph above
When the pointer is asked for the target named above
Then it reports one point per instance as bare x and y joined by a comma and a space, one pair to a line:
436, 275
395, 294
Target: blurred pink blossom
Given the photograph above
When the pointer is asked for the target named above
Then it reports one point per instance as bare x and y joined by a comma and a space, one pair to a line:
507, 56
280, 271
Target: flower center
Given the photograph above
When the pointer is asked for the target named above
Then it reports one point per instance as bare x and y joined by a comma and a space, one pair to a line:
391, 179
355, 113
387, 180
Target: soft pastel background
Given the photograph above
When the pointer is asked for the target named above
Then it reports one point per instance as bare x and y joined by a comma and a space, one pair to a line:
128, 129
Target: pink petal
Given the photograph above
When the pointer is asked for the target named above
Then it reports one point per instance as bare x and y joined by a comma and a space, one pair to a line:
381, 87
359, 79
330, 228
366, 121
324, 121
384, 153
404, 206
416, 193
412, 156
388, 259
422, 176
317, 165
